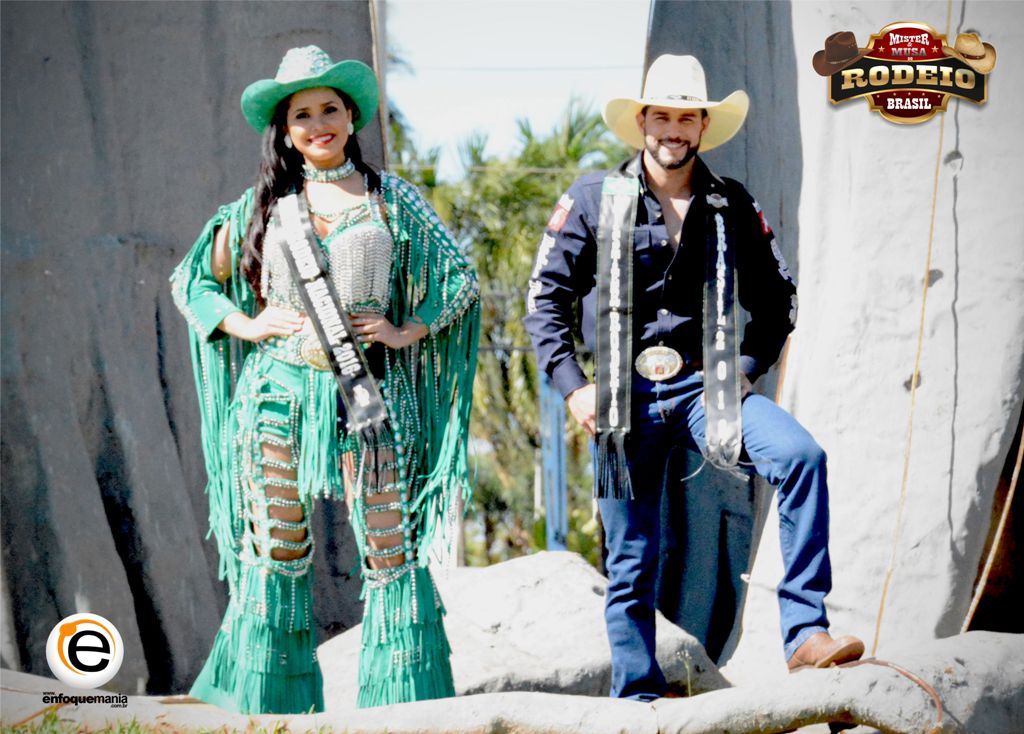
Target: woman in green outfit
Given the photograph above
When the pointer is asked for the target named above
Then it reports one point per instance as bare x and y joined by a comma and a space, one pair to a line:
272, 430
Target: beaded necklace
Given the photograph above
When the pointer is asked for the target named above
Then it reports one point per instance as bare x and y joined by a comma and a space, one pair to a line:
348, 217
333, 216
327, 175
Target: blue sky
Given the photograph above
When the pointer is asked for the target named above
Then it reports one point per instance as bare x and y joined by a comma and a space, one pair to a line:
478, 65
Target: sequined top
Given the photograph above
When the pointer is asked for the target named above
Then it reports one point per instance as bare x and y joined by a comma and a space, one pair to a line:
359, 253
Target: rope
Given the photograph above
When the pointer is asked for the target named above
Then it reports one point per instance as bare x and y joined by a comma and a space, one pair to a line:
913, 378
913, 678
997, 539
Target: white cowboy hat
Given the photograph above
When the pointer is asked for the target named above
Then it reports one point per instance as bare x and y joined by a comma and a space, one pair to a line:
678, 82
968, 48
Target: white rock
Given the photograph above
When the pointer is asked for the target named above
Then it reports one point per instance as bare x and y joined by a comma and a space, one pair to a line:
865, 216
534, 623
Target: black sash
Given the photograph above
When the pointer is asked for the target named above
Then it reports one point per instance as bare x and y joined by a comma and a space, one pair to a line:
614, 345
365, 411
723, 430
614, 354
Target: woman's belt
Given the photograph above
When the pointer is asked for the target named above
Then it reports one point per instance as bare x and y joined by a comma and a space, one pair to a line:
305, 351
298, 349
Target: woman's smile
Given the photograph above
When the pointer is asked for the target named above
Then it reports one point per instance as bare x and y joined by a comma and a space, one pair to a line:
322, 140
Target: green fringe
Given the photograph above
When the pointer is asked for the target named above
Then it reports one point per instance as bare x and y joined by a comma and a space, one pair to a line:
448, 430
319, 473
403, 659
265, 661
429, 268
215, 364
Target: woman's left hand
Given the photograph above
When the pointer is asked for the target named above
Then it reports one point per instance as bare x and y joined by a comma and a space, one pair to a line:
372, 327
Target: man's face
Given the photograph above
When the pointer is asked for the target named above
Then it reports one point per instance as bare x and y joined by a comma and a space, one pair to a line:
671, 136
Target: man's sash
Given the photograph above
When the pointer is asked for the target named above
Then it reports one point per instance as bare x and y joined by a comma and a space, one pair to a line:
614, 345
613, 354
723, 430
365, 412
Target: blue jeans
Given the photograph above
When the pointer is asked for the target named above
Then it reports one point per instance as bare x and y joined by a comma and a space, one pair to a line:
670, 414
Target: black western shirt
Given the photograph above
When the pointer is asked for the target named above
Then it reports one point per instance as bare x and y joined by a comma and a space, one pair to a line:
668, 286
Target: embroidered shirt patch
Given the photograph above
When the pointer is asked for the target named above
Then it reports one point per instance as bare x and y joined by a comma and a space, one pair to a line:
561, 213
765, 229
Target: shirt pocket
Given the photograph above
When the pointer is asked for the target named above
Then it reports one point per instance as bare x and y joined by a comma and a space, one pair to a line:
645, 253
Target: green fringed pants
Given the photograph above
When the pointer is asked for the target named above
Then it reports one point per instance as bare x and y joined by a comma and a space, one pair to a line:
283, 449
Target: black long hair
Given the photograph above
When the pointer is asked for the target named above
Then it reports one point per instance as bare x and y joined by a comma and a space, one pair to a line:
280, 174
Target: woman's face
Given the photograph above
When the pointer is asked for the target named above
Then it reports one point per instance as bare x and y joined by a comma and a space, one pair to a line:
318, 125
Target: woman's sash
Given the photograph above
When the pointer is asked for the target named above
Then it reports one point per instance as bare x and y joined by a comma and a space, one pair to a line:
365, 412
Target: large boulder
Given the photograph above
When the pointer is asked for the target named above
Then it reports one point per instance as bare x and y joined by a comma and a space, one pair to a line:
534, 623
910, 254
978, 678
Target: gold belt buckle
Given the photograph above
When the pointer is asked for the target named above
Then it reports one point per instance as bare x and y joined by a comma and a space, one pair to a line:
313, 354
659, 363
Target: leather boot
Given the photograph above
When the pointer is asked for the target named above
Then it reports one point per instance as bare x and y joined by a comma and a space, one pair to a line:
821, 651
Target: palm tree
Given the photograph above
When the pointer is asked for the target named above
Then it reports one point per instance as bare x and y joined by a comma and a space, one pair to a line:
499, 211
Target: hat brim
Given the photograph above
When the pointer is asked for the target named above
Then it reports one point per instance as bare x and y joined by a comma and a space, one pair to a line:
983, 65
354, 78
828, 68
725, 118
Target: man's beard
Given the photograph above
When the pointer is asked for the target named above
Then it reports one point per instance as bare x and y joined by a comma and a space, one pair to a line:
672, 165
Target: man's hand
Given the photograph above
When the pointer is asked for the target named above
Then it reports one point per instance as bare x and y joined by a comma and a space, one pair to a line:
745, 386
582, 404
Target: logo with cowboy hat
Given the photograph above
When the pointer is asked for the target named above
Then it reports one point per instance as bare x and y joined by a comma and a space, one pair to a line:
907, 72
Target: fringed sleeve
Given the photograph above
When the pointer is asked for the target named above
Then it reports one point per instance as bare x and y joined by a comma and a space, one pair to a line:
215, 362
441, 290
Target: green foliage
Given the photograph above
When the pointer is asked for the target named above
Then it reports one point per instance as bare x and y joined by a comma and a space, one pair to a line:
416, 167
498, 211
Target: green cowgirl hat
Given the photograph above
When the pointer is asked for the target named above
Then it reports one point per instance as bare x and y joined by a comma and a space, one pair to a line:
306, 68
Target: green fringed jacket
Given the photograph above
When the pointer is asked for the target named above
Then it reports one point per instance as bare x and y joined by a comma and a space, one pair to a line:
431, 279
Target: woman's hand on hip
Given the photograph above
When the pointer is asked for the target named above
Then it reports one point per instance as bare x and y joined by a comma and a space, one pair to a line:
271, 321
372, 327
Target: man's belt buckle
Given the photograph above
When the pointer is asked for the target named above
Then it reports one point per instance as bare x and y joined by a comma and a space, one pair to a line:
313, 354
659, 363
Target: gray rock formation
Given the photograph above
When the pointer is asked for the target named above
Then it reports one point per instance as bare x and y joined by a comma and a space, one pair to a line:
530, 624
121, 135
875, 198
857, 203
978, 677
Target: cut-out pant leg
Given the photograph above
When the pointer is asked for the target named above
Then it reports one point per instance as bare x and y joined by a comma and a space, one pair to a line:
405, 651
264, 656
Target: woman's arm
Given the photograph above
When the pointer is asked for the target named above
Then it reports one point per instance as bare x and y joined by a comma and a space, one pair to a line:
204, 299
373, 327
271, 321
451, 285
220, 264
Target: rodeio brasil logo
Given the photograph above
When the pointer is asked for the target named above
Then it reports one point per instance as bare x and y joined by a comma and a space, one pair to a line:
907, 72
84, 650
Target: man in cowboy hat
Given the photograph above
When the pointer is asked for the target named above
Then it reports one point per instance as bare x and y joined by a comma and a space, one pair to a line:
658, 252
